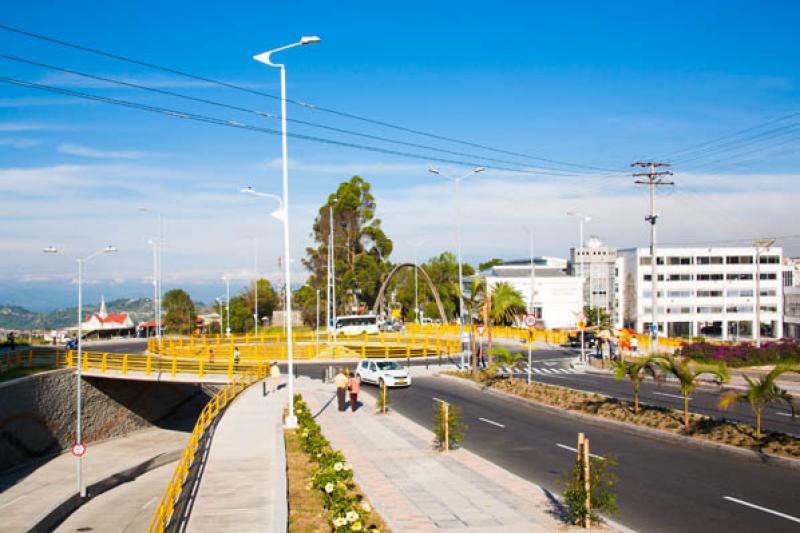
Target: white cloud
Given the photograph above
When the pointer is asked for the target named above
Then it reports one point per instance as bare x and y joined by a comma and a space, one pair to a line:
85, 151
19, 142
349, 169
30, 126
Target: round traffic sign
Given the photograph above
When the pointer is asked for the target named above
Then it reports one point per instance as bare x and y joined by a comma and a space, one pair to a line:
480, 330
78, 449
530, 320
581, 324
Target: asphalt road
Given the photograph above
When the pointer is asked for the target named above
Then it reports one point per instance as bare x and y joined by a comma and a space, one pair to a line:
663, 486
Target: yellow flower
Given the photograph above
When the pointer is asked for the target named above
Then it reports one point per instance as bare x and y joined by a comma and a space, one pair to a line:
356, 526
351, 516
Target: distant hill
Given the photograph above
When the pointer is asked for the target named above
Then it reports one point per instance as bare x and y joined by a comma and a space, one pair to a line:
16, 317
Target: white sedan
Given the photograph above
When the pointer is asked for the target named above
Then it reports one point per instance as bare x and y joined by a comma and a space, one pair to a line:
380, 371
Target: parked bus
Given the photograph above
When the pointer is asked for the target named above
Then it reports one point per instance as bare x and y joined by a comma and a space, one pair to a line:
356, 324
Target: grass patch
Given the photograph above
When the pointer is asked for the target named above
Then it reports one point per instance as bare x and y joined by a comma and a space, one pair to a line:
307, 513
700, 426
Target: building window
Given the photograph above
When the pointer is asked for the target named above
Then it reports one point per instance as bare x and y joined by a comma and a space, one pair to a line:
647, 277
709, 294
710, 277
769, 260
644, 260
744, 276
709, 309
740, 308
739, 259
767, 292
769, 308
680, 277
740, 293
713, 260
768, 275
679, 260
679, 294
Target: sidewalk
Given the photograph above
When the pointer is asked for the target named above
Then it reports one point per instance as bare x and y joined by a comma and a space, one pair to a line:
243, 484
24, 499
418, 489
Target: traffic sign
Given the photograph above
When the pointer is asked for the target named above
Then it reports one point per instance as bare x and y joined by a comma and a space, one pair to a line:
78, 449
581, 324
480, 330
530, 320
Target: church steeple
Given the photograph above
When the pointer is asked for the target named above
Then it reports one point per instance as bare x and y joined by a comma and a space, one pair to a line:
103, 311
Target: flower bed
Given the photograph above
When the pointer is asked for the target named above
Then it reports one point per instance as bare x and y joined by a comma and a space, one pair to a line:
704, 427
331, 475
744, 354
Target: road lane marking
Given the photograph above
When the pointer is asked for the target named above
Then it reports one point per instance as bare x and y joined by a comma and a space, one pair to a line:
570, 448
150, 502
435, 399
783, 414
492, 422
671, 395
537, 370
754, 506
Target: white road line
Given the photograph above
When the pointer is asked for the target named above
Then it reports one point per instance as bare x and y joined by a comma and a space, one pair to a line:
754, 506
435, 399
783, 414
150, 502
492, 422
13, 501
547, 370
537, 370
671, 395
570, 448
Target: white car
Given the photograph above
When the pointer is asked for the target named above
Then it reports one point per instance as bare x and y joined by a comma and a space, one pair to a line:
380, 371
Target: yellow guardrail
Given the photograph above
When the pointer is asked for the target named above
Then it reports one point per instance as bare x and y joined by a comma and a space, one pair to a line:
166, 506
29, 358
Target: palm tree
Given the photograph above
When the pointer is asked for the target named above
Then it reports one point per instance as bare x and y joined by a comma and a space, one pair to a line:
505, 359
504, 304
687, 377
635, 372
473, 301
759, 393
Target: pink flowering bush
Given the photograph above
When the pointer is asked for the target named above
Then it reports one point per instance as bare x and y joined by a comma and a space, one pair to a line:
744, 354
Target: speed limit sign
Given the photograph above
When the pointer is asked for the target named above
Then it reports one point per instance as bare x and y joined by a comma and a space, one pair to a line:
530, 320
78, 449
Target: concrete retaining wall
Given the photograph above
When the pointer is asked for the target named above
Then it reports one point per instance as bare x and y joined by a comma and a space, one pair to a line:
37, 413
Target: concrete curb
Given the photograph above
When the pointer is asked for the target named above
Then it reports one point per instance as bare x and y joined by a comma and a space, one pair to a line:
653, 433
52, 518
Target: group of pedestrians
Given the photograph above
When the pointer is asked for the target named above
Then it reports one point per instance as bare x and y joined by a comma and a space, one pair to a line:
347, 382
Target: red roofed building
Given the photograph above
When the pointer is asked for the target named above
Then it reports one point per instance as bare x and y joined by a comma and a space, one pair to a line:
105, 325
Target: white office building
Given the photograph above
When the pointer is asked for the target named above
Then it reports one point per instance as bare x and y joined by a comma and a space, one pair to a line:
598, 266
706, 292
557, 300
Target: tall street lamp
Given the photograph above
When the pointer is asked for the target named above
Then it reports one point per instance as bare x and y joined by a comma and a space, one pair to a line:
582, 219
227, 281
78, 410
157, 271
532, 307
456, 182
291, 420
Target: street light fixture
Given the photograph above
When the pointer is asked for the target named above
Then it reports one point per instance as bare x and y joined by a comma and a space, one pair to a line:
457, 181
532, 308
291, 419
582, 218
158, 246
79, 374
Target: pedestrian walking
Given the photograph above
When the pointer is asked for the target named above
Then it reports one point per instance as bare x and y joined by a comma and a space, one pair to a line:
274, 376
236, 355
211, 355
341, 388
354, 386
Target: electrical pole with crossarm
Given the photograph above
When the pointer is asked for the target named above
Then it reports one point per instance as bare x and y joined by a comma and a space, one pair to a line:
654, 179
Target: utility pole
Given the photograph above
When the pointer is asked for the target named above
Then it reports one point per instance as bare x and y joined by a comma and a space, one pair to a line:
760, 245
654, 180
255, 286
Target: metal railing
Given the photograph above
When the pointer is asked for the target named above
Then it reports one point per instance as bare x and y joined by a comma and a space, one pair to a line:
166, 506
32, 358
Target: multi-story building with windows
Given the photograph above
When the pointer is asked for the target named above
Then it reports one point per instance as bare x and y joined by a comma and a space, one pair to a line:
705, 291
597, 265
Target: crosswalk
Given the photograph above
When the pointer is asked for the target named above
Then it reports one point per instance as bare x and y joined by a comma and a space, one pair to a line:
543, 371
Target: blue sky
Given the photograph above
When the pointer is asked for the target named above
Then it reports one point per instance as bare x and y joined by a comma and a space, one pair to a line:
584, 82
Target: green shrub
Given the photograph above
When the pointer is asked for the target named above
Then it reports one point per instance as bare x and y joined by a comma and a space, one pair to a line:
455, 427
601, 484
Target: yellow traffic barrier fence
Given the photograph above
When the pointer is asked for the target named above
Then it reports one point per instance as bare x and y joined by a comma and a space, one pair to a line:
30, 358
172, 494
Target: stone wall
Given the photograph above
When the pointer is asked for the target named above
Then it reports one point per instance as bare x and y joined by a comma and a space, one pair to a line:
37, 413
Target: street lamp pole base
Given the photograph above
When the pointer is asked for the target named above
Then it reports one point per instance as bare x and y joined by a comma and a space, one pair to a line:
290, 422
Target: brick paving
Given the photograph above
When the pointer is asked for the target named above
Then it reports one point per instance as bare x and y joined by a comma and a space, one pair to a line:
418, 489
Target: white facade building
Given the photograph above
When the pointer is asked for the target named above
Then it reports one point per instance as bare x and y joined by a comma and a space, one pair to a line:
557, 300
706, 292
597, 264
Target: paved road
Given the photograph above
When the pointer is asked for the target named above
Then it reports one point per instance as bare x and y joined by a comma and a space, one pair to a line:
128, 508
663, 486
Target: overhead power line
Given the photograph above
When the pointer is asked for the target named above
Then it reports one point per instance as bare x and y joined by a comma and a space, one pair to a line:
235, 124
306, 105
261, 114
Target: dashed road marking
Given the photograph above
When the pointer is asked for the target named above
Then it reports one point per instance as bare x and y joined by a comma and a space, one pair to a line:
764, 509
570, 448
492, 422
670, 395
